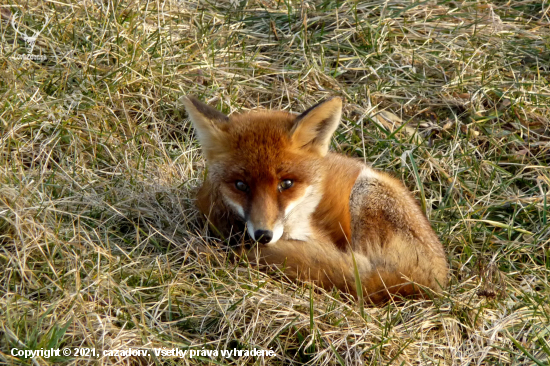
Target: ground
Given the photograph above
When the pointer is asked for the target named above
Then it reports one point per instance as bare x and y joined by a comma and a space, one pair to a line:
100, 242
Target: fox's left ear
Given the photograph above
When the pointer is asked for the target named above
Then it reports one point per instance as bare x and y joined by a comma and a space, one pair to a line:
208, 123
313, 129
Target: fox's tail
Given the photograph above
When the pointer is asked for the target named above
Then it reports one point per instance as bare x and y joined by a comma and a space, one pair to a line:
380, 275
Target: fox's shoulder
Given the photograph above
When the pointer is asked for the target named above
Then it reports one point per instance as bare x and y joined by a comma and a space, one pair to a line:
382, 207
380, 189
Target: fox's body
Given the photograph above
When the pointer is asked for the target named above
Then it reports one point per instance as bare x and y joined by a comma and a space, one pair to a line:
313, 211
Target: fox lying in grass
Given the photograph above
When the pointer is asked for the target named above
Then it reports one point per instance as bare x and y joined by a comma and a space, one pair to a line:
314, 212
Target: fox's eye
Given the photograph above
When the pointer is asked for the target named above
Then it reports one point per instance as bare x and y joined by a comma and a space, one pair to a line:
285, 184
241, 186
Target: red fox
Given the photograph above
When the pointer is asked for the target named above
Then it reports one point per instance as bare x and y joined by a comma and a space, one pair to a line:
319, 216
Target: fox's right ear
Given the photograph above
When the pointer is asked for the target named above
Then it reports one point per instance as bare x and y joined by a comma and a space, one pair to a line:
207, 122
313, 129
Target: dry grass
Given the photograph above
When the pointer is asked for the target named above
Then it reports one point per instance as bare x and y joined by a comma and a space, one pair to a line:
102, 247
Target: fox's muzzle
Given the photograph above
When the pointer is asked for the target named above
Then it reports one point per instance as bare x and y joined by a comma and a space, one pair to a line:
263, 218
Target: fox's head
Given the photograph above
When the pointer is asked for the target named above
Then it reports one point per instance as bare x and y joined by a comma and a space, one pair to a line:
266, 164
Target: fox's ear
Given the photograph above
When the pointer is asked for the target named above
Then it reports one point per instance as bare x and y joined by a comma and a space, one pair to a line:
207, 122
313, 129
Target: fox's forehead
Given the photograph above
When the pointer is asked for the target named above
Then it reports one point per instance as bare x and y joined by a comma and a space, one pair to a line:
259, 146
260, 127
264, 161
260, 135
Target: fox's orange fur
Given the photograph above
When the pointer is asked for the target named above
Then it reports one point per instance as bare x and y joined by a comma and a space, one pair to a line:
311, 210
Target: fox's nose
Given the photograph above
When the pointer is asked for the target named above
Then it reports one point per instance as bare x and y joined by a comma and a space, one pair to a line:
263, 236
